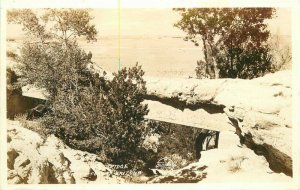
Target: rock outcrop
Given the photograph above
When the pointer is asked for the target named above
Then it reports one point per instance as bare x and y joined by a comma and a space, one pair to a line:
34, 160
259, 109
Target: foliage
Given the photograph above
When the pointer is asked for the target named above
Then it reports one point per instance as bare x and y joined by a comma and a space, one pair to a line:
174, 139
233, 39
52, 67
126, 119
89, 112
32, 125
109, 122
51, 47
202, 70
11, 77
244, 63
11, 87
54, 24
235, 163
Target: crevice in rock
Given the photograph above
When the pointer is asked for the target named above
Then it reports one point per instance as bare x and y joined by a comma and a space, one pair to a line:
238, 131
11, 157
47, 173
278, 161
180, 104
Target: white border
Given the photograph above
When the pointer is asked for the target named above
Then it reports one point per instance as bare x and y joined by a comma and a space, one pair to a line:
296, 91
145, 3
3, 138
295, 5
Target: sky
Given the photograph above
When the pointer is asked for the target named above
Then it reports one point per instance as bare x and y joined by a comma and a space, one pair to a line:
138, 22
161, 22
148, 22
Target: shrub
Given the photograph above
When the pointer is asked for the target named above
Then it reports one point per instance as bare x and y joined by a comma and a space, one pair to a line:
151, 142
53, 66
126, 127
244, 63
22, 119
32, 125
103, 121
235, 163
174, 139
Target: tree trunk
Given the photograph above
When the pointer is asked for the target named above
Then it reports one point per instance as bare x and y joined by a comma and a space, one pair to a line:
209, 55
212, 60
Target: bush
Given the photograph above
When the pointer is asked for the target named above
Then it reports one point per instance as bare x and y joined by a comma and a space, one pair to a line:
126, 128
244, 63
32, 125
235, 163
106, 121
174, 139
53, 66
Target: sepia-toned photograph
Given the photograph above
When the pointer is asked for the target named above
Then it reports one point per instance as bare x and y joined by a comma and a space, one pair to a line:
149, 95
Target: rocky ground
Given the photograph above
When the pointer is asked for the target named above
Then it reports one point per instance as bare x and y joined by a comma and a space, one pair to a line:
35, 160
32, 159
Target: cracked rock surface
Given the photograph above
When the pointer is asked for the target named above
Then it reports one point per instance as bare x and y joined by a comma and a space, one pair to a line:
33, 160
260, 110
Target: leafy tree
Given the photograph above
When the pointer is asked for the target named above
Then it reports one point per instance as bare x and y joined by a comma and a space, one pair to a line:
104, 121
89, 112
233, 39
54, 25
244, 62
126, 129
50, 48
